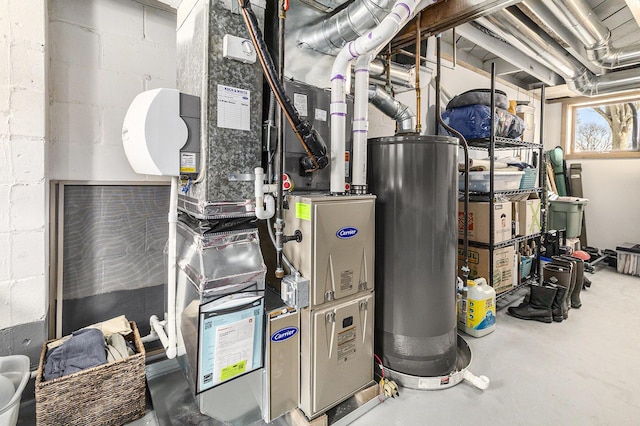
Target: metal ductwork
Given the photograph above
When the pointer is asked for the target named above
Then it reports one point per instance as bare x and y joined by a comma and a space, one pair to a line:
398, 74
515, 27
394, 109
325, 5
578, 17
330, 35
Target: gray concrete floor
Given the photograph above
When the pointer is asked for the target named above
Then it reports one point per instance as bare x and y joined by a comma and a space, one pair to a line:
583, 371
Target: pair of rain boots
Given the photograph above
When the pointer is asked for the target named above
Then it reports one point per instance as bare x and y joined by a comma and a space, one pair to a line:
577, 278
544, 303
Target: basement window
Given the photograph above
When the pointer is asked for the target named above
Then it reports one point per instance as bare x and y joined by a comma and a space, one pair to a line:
603, 128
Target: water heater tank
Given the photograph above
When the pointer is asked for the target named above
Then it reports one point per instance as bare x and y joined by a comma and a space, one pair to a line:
415, 180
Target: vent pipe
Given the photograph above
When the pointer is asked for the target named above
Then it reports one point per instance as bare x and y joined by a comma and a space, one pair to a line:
394, 109
330, 35
367, 44
512, 24
580, 19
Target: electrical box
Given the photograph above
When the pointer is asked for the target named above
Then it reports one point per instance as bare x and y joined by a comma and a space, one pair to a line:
337, 248
190, 152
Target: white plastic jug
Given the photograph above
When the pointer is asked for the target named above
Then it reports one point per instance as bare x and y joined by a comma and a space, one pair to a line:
477, 315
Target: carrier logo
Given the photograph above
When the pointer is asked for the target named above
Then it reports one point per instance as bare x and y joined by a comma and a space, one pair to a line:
348, 232
283, 334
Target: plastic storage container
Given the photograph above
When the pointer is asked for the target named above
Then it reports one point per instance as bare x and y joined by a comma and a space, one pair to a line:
479, 181
525, 266
477, 313
529, 178
628, 257
14, 375
566, 213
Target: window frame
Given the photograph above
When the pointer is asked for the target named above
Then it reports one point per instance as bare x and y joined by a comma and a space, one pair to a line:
569, 107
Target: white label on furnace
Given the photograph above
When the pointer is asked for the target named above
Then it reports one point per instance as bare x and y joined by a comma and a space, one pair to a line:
187, 162
321, 115
234, 108
300, 102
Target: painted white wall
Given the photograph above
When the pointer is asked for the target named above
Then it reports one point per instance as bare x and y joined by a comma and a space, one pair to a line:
611, 187
103, 53
23, 295
68, 71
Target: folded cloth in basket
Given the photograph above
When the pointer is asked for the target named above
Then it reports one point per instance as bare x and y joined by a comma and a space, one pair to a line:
85, 349
114, 325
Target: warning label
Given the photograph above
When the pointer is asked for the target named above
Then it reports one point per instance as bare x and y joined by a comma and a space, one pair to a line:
346, 280
346, 345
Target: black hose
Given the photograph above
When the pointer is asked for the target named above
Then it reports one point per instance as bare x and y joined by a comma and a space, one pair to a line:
317, 157
465, 147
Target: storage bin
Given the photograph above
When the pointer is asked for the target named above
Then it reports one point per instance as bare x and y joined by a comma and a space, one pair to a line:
479, 181
109, 394
566, 213
14, 375
628, 259
529, 178
525, 266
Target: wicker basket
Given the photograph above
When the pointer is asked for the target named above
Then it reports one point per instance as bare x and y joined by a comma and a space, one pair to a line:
109, 394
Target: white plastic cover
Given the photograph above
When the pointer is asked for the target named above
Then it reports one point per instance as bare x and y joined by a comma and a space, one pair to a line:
153, 133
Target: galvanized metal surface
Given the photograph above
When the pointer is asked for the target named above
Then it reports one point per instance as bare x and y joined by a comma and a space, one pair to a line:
201, 68
415, 180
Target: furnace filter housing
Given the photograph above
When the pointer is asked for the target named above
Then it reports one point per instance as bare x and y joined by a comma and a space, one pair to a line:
415, 180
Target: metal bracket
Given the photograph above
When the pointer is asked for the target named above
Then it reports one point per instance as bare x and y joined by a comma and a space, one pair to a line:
328, 296
330, 317
362, 285
363, 305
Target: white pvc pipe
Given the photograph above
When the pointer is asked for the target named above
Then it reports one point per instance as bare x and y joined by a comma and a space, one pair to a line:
157, 328
172, 266
361, 122
259, 188
402, 11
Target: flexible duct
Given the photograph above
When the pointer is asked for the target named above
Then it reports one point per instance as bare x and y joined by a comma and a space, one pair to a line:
512, 24
394, 109
584, 23
330, 35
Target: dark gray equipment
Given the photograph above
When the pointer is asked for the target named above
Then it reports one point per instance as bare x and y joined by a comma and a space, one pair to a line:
312, 104
415, 180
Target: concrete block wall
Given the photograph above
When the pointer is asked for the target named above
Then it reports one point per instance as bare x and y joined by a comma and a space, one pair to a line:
68, 72
23, 228
102, 54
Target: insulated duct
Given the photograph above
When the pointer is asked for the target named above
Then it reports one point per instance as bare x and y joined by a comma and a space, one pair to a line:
583, 22
330, 35
394, 109
512, 25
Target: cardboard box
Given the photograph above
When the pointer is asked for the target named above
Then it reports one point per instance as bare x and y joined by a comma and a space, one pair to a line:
528, 212
479, 222
503, 266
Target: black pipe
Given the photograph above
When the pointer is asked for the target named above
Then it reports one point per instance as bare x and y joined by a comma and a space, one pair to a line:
317, 157
465, 147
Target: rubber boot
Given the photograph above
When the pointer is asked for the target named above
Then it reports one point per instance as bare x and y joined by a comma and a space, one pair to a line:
559, 261
539, 306
575, 294
563, 276
558, 308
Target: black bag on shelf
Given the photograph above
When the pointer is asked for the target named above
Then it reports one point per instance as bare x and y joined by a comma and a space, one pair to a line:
479, 97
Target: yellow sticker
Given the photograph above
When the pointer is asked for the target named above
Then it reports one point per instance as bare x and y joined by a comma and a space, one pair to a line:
233, 370
303, 211
187, 169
